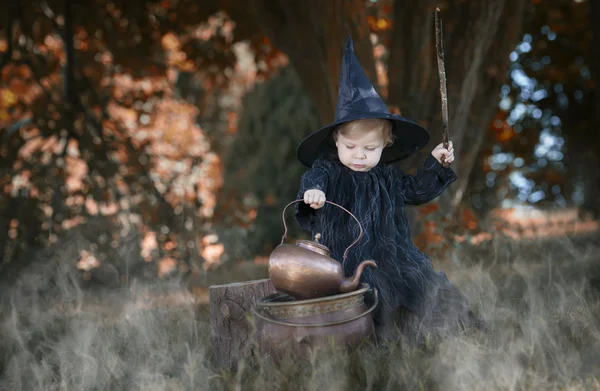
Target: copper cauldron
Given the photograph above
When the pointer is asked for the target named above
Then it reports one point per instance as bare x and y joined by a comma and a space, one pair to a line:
293, 325
306, 270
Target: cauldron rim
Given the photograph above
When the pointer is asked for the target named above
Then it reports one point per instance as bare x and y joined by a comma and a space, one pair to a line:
364, 288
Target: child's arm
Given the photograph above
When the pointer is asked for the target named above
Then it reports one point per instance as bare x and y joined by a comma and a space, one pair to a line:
430, 180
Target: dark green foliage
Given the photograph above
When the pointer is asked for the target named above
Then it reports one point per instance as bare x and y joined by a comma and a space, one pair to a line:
261, 169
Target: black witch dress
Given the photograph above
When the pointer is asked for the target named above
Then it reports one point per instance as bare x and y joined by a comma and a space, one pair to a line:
404, 278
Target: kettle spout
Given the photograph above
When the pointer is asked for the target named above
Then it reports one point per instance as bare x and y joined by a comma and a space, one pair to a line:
351, 283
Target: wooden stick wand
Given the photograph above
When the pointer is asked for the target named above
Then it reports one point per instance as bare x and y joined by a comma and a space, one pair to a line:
442, 74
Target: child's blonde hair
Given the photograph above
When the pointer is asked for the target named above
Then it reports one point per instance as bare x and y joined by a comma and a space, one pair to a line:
362, 126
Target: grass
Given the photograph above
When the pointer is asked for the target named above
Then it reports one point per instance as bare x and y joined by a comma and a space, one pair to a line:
541, 300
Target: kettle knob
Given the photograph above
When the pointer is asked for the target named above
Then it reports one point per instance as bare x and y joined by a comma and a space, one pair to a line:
317, 237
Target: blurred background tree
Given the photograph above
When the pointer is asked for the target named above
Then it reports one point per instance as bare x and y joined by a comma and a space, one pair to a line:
261, 175
545, 145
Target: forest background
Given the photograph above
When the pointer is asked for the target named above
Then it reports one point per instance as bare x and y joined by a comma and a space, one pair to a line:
171, 126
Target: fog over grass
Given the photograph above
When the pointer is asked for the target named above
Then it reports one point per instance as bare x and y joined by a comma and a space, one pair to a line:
541, 300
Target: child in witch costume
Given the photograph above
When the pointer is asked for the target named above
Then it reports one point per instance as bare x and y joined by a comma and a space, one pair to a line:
349, 163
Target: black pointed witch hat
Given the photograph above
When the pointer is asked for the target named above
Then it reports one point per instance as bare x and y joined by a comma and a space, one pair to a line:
357, 99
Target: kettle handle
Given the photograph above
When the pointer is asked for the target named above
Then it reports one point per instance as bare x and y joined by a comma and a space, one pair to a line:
332, 203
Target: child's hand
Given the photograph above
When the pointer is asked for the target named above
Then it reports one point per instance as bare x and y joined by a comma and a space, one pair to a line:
315, 198
448, 154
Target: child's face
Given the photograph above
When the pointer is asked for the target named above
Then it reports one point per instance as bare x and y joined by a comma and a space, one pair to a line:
361, 152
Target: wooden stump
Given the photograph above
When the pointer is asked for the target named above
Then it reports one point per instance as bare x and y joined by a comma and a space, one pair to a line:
229, 306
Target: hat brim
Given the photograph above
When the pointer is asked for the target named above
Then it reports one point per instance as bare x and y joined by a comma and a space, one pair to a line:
408, 135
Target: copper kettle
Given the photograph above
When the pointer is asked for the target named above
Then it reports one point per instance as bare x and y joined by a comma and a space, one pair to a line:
307, 271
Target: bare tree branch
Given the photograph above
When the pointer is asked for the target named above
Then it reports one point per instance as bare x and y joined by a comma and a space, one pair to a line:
497, 60
481, 38
49, 13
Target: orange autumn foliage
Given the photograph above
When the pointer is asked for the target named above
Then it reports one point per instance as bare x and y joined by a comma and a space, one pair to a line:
469, 220
429, 236
428, 209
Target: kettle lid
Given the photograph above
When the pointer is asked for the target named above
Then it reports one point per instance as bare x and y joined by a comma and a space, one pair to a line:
314, 245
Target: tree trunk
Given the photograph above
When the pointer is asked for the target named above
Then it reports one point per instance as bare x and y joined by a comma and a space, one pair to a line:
592, 199
581, 123
313, 37
594, 51
583, 178
229, 307
476, 60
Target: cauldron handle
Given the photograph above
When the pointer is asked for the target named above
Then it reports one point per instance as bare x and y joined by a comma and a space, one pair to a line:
332, 203
325, 324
